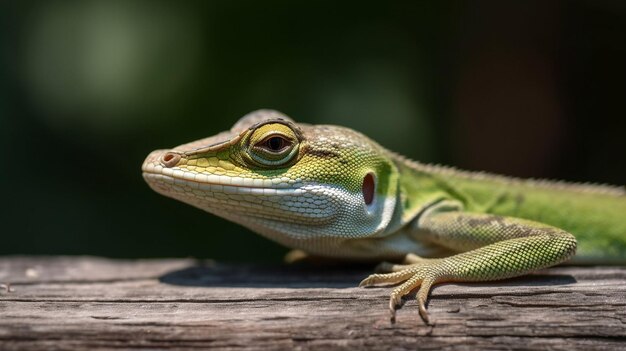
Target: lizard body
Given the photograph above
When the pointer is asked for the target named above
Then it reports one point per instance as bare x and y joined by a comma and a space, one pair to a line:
331, 191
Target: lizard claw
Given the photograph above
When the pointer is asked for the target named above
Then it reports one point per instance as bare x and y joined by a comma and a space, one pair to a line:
366, 282
423, 312
392, 314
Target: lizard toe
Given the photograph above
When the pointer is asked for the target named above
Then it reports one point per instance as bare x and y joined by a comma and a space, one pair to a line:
387, 278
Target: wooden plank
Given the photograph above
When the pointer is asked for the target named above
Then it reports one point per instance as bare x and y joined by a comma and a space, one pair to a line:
63, 303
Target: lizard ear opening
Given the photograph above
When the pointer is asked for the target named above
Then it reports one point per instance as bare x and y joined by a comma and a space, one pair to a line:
368, 188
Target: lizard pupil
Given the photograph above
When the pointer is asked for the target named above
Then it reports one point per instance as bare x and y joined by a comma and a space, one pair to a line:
275, 143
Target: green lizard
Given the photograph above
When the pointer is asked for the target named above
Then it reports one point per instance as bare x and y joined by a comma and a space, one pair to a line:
331, 191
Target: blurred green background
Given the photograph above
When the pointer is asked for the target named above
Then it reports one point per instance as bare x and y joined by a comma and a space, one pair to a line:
88, 88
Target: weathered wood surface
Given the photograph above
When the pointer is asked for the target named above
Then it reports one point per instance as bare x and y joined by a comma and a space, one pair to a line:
94, 303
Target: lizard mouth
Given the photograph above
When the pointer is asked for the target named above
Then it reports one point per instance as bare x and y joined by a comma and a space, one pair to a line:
155, 173
223, 185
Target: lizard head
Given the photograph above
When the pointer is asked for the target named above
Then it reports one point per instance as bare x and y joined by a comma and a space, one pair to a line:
290, 182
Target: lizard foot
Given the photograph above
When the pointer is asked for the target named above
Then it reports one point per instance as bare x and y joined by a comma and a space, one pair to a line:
422, 275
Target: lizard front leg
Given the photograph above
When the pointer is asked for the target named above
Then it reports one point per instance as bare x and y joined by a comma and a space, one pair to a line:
492, 247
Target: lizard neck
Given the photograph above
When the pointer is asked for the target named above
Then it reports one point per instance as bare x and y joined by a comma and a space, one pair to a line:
419, 188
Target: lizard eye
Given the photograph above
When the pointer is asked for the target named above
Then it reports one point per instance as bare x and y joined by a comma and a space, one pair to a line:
273, 144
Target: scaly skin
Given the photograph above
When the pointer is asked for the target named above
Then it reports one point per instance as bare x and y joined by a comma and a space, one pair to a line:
331, 191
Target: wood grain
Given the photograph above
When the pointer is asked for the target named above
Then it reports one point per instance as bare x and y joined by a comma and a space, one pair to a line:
61, 303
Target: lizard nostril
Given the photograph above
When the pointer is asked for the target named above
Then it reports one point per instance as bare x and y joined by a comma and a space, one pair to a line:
170, 159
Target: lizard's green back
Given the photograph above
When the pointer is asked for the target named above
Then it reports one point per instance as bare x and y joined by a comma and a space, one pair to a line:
596, 215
